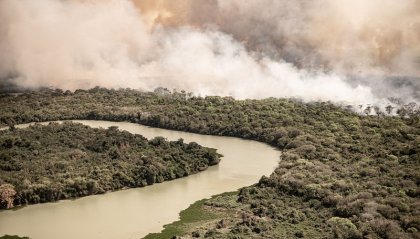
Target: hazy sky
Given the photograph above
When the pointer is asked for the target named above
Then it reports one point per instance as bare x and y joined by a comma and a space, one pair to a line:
352, 51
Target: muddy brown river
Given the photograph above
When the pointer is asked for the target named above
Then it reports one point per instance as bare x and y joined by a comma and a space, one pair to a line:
134, 213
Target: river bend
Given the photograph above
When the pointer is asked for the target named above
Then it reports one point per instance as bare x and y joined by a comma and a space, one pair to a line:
134, 213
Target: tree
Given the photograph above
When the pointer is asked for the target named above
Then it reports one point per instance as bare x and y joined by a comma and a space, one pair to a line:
343, 228
7, 194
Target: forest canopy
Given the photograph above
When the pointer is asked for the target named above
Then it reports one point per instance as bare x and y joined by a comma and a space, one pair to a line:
45, 163
342, 174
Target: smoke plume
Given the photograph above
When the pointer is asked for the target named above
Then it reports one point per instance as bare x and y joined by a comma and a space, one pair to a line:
345, 51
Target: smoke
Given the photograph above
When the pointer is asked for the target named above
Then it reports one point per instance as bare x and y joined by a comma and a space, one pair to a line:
348, 35
345, 51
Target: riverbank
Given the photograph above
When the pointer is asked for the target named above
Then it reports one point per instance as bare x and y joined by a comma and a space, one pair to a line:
199, 215
224, 217
47, 163
356, 174
134, 213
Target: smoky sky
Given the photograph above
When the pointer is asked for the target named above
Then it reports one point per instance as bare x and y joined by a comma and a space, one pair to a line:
357, 52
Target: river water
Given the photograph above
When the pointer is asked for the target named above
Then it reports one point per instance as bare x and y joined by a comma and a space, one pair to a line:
134, 213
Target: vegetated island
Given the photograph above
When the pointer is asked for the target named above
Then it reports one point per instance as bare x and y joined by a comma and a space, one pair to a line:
13, 237
46, 163
342, 174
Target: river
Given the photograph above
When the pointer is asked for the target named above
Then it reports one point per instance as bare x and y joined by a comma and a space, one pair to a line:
134, 213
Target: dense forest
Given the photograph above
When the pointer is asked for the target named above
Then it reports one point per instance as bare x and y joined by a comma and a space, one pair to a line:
342, 174
45, 163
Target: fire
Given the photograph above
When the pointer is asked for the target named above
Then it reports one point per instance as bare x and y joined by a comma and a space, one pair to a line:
164, 12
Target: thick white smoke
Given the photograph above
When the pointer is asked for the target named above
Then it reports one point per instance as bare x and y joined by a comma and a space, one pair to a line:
214, 63
215, 48
72, 45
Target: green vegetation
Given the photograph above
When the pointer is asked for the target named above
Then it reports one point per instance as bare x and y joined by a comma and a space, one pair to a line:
232, 219
342, 175
197, 215
59, 161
